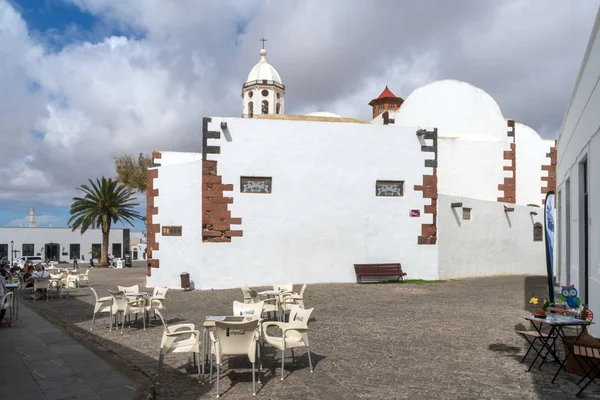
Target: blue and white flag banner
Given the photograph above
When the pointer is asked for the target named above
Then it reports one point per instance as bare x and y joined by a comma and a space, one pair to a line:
549, 223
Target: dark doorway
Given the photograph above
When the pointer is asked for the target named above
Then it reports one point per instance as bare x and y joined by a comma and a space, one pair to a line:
116, 250
52, 251
584, 267
3, 250
74, 250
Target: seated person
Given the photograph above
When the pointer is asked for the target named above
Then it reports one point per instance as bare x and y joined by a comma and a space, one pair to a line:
28, 277
40, 272
15, 268
3, 271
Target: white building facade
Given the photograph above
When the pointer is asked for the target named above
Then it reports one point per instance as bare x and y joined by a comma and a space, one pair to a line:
435, 185
60, 244
578, 176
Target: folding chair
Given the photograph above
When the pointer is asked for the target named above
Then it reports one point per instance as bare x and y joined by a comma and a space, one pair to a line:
545, 340
592, 356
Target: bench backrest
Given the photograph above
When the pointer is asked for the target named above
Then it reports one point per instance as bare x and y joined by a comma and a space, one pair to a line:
378, 268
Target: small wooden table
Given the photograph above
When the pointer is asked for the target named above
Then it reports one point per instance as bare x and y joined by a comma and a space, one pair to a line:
557, 323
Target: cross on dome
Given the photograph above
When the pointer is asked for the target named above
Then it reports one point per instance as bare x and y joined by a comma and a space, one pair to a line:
263, 40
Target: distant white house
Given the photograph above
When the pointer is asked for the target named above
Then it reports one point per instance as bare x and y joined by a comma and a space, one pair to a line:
138, 246
59, 244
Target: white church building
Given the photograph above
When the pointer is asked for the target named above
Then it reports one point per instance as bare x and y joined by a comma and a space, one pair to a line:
440, 182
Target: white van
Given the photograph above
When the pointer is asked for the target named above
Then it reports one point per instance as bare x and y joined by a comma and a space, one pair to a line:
34, 259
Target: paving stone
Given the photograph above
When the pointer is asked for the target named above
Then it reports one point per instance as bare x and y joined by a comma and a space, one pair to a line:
453, 339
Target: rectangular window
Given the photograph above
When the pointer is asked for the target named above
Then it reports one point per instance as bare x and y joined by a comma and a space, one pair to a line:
3, 250
466, 214
28, 249
389, 188
116, 250
255, 184
74, 250
96, 250
171, 230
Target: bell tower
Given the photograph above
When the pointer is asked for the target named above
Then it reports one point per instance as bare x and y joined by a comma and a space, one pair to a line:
263, 93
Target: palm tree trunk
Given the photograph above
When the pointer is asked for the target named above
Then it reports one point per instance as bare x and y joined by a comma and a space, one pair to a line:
104, 254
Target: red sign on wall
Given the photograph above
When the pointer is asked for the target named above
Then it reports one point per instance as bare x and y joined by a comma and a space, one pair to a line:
415, 213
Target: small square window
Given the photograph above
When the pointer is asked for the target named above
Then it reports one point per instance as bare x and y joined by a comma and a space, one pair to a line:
171, 230
466, 214
389, 188
254, 184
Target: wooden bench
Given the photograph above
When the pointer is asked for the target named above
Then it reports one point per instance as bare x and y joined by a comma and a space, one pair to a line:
378, 272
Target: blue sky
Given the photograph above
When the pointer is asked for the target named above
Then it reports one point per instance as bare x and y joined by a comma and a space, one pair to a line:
56, 23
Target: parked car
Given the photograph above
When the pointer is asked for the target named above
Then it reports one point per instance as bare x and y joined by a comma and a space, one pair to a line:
34, 259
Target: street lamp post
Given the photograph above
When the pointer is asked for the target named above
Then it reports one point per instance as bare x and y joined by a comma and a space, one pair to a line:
12, 252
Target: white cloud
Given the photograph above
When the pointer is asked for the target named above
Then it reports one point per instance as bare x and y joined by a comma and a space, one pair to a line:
93, 101
40, 221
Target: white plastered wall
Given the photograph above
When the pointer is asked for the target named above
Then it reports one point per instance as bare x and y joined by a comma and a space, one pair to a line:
493, 242
321, 217
579, 141
472, 135
531, 155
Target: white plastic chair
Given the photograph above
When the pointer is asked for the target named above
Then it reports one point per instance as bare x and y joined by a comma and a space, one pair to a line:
289, 300
284, 287
233, 339
23, 286
84, 279
129, 289
103, 304
270, 305
6, 304
248, 310
43, 284
247, 298
122, 307
171, 344
157, 301
293, 334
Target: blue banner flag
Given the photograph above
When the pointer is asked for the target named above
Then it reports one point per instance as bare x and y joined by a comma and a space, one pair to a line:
549, 222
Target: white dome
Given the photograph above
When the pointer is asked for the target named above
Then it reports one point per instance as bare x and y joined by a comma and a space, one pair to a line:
263, 70
324, 114
458, 109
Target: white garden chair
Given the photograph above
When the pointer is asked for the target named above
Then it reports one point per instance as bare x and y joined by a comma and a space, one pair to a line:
129, 289
174, 341
84, 279
158, 301
284, 287
289, 300
234, 339
23, 286
42, 284
293, 334
102, 304
6, 304
270, 305
245, 291
248, 310
121, 306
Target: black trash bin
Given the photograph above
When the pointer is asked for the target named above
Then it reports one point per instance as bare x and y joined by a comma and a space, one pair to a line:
185, 281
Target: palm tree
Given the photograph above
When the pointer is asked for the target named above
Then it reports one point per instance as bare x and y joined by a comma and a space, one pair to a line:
105, 202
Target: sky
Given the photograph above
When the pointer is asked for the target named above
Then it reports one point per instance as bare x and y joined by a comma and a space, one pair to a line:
85, 81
